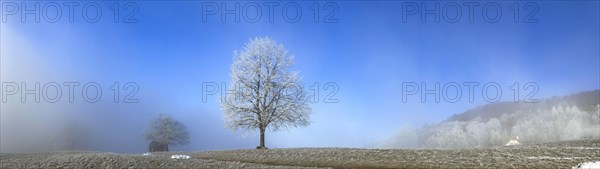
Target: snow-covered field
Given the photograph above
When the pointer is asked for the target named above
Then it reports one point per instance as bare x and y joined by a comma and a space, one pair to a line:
549, 155
588, 165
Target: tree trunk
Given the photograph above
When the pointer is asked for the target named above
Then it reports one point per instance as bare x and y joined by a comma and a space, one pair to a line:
262, 138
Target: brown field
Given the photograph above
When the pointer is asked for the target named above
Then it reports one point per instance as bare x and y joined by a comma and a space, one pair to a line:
550, 155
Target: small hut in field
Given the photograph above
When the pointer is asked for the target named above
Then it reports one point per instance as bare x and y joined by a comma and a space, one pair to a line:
513, 142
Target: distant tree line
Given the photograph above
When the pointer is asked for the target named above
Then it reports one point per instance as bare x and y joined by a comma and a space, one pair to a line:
564, 120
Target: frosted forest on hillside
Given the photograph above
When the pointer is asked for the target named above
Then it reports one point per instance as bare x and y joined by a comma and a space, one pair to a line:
560, 123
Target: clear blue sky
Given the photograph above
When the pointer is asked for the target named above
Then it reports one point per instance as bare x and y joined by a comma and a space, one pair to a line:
368, 53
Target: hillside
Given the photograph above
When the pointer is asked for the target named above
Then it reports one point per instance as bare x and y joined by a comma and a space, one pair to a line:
586, 101
563, 118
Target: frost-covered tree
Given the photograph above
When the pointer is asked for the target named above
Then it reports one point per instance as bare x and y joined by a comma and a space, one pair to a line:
264, 92
557, 124
167, 131
494, 133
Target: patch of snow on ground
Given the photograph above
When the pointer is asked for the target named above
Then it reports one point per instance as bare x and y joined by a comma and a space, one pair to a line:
552, 158
584, 148
177, 156
588, 165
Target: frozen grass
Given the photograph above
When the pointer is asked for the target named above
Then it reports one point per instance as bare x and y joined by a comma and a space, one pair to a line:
550, 155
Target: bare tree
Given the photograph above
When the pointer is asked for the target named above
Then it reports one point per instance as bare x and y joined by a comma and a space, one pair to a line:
266, 93
166, 131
